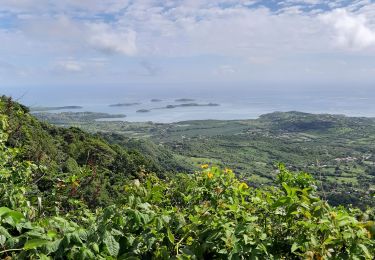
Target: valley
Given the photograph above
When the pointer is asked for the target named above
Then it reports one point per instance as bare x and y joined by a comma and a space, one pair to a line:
339, 151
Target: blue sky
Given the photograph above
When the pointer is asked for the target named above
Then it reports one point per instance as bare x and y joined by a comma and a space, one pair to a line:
113, 42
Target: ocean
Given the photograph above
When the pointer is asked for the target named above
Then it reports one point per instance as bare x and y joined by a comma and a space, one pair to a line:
233, 103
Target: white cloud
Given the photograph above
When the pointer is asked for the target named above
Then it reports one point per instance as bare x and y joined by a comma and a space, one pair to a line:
76, 65
61, 6
22, 5
308, 2
189, 27
66, 34
351, 31
186, 37
112, 40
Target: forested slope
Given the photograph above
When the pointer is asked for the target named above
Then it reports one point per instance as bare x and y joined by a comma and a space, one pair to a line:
69, 152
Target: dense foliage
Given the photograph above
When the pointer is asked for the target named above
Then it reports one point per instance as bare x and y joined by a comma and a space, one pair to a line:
70, 152
210, 214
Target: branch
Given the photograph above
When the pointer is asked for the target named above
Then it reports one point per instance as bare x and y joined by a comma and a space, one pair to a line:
9, 250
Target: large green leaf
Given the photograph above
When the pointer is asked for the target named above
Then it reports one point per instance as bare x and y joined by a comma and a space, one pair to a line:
4, 210
35, 243
112, 245
15, 216
12, 217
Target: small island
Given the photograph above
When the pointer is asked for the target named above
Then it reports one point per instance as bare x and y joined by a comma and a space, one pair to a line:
125, 104
192, 105
156, 100
42, 109
143, 111
184, 100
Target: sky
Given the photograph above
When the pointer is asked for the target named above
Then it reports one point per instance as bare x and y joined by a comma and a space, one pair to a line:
225, 42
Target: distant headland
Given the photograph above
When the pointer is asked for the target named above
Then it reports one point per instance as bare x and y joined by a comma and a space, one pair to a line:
42, 109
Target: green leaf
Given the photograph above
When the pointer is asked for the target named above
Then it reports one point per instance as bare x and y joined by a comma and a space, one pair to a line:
2, 240
245, 239
4, 210
43, 257
4, 232
51, 233
344, 222
86, 253
263, 236
166, 219
185, 251
34, 243
52, 247
95, 247
170, 236
287, 188
15, 216
295, 246
365, 250
112, 245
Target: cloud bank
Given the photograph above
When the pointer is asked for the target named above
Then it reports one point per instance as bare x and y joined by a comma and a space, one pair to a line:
171, 41
351, 31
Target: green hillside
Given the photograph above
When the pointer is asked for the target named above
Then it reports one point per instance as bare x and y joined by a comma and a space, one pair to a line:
66, 194
68, 152
338, 151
